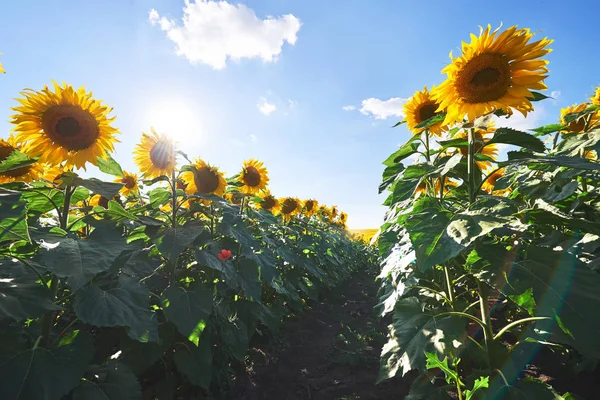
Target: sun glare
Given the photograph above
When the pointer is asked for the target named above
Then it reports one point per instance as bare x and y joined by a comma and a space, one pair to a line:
176, 118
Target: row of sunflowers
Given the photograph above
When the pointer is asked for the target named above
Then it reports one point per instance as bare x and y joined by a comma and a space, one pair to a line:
488, 262
149, 288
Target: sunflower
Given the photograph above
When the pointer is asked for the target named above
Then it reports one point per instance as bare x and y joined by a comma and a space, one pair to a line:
581, 124
496, 71
254, 177
595, 99
324, 212
333, 212
155, 154
98, 200
203, 179
290, 206
269, 202
28, 173
480, 146
310, 207
64, 125
420, 108
422, 187
490, 182
234, 198
53, 173
131, 184
343, 218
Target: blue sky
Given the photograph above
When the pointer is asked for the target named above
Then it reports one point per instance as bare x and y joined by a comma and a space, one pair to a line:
342, 54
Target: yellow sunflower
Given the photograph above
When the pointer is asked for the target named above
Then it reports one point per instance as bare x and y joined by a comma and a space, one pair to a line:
28, 173
290, 206
234, 198
419, 108
53, 173
98, 200
64, 125
333, 212
204, 179
131, 184
490, 182
269, 202
324, 212
155, 154
343, 218
254, 177
310, 207
496, 71
481, 146
595, 99
582, 124
422, 187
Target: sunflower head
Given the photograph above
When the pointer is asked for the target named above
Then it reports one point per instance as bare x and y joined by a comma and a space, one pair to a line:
324, 212
155, 154
581, 124
490, 182
269, 202
254, 177
496, 71
289, 206
28, 173
437, 183
419, 108
595, 99
130, 182
234, 198
310, 207
333, 212
343, 218
203, 179
98, 200
64, 125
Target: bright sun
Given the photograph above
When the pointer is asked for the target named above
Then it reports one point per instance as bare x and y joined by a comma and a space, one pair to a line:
176, 118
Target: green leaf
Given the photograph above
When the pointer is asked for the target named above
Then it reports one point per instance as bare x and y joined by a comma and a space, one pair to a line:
16, 160
431, 121
109, 166
524, 389
138, 356
80, 194
109, 382
173, 241
558, 192
13, 218
525, 300
399, 123
517, 138
115, 209
195, 363
434, 362
480, 383
80, 260
414, 332
159, 196
536, 96
549, 128
404, 151
106, 189
389, 175
248, 279
188, 309
24, 300
423, 389
560, 161
45, 374
127, 304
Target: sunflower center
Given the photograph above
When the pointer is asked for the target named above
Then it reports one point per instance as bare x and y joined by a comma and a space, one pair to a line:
309, 205
5, 152
128, 181
427, 111
288, 206
160, 155
268, 203
578, 125
484, 78
70, 126
251, 176
206, 180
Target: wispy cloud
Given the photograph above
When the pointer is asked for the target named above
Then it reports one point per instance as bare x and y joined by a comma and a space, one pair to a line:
383, 109
348, 108
253, 137
265, 107
211, 32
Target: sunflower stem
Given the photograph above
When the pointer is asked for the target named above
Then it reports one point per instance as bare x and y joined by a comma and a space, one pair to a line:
484, 308
173, 263
471, 164
449, 285
48, 319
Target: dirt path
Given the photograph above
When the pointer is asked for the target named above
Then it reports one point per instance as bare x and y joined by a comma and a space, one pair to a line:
329, 352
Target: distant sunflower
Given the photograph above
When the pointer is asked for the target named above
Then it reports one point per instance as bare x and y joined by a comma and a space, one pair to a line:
490, 182
98, 200
310, 207
28, 173
343, 218
496, 71
269, 202
204, 179
595, 99
290, 206
66, 125
333, 212
254, 177
581, 124
234, 197
419, 108
437, 183
480, 146
324, 212
131, 184
155, 154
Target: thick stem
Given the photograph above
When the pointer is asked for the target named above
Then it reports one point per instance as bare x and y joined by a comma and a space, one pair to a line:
484, 307
471, 164
584, 186
173, 263
449, 286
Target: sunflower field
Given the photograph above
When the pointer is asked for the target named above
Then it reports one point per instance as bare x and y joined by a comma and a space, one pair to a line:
486, 262
145, 286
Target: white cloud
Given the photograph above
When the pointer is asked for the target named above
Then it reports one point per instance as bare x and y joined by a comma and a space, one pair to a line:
210, 32
555, 94
519, 122
348, 108
383, 109
265, 107
292, 103
253, 137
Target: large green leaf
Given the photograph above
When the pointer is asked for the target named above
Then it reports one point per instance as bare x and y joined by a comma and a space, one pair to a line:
13, 218
16, 160
408, 149
42, 200
173, 241
524, 389
80, 260
24, 300
138, 356
248, 279
188, 308
559, 161
109, 382
413, 332
517, 138
195, 363
45, 374
109, 166
127, 304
